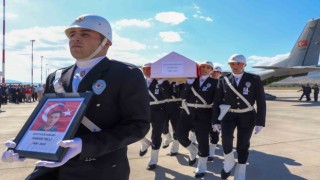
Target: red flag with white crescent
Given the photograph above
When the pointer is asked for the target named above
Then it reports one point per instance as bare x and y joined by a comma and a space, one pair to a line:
303, 43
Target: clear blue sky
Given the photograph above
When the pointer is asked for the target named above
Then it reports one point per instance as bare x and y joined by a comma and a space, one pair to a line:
146, 30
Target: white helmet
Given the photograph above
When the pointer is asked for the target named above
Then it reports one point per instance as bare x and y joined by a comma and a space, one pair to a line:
237, 58
93, 22
217, 68
209, 63
147, 65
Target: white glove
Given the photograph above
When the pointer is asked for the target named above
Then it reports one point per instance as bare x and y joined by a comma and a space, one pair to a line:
75, 148
216, 128
9, 155
257, 129
160, 81
190, 80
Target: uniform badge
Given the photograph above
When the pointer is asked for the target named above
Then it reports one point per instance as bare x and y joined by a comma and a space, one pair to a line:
206, 87
156, 91
99, 86
80, 19
246, 89
248, 84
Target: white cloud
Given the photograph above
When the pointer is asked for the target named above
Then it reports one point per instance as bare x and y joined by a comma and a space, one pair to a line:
125, 44
173, 18
170, 36
133, 22
129, 57
198, 14
197, 8
265, 61
52, 43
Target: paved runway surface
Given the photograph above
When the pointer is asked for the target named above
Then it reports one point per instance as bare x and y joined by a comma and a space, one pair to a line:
287, 149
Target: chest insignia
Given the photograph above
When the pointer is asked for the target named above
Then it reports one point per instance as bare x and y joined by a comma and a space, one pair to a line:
99, 86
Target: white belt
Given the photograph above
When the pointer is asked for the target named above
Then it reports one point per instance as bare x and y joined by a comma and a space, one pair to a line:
90, 125
174, 100
158, 102
241, 110
165, 101
200, 105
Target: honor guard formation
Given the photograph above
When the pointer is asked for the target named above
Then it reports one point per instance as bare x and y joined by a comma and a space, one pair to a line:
128, 102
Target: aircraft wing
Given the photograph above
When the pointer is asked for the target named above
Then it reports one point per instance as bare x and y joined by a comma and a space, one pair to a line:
310, 68
267, 67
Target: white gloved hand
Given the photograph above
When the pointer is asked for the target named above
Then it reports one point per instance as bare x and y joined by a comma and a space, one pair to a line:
10, 155
160, 81
190, 80
75, 148
257, 129
216, 128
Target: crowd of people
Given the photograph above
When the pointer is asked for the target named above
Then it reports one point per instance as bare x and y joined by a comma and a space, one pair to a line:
307, 90
19, 93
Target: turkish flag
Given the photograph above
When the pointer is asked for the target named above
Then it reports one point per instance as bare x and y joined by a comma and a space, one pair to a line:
303, 43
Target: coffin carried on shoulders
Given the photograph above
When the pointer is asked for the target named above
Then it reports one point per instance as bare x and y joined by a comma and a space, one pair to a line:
174, 67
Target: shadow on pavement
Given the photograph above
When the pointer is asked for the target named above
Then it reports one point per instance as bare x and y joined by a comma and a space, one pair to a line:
261, 166
264, 166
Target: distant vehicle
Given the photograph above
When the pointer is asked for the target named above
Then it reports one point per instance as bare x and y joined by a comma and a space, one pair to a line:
303, 58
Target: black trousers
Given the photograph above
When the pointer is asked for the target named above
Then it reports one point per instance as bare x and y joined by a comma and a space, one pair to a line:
244, 122
315, 97
214, 137
158, 121
173, 116
200, 121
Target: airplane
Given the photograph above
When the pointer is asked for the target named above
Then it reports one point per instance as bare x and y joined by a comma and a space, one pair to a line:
303, 58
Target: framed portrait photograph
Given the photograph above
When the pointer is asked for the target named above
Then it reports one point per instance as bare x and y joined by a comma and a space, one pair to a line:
56, 117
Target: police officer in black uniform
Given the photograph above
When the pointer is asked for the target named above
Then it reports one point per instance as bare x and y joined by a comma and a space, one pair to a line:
197, 97
174, 110
315, 92
159, 91
214, 135
241, 115
119, 111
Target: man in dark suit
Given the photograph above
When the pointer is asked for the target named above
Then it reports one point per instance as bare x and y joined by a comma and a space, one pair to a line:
198, 96
241, 114
119, 109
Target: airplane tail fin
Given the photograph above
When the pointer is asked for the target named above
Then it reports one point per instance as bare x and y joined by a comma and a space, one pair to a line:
307, 49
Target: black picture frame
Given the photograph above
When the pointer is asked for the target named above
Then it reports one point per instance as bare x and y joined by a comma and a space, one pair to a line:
40, 142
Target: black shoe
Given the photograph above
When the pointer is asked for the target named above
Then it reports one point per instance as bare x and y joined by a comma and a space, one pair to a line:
151, 167
165, 146
142, 153
173, 154
210, 159
225, 175
191, 163
200, 175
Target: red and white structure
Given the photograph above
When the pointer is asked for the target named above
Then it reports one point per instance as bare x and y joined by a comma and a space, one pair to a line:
3, 43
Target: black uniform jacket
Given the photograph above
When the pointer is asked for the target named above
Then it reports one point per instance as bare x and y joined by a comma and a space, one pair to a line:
160, 92
174, 93
122, 111
206, 91
250, 87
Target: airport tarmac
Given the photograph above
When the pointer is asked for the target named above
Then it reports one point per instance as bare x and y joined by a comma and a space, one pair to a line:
287, 149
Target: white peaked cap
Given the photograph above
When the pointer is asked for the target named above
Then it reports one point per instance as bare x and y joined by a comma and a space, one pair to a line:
237, 58
93, 22
217, 68
147, 65
209, 63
